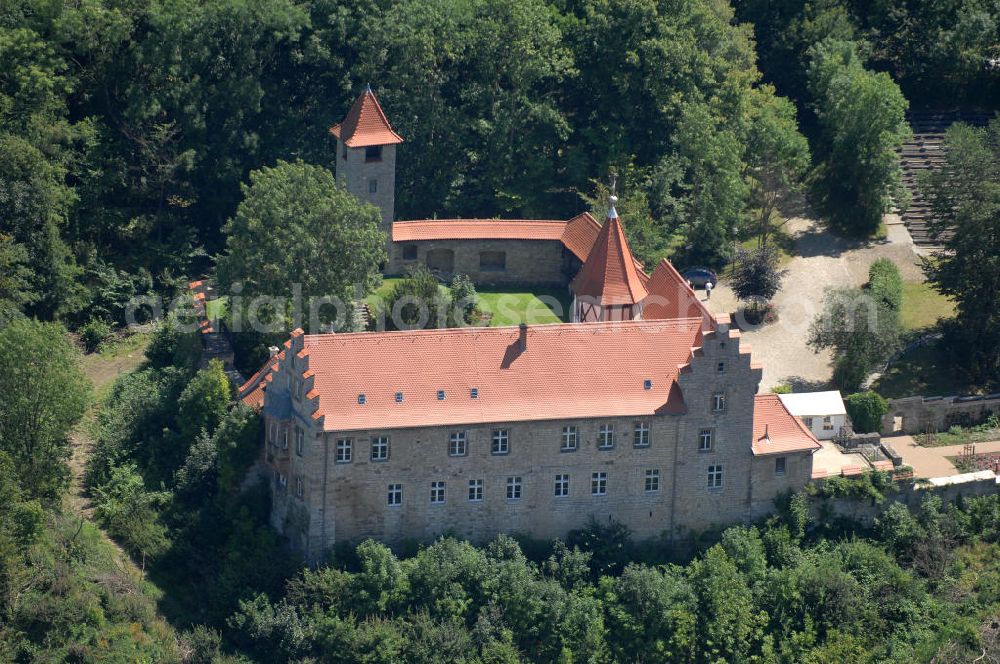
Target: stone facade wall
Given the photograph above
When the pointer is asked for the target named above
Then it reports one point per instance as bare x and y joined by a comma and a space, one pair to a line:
356, 174
913, 415
528, 262
348, 501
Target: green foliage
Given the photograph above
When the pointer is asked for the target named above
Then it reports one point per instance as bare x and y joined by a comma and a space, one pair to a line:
43, 393
296, 228
866, 410
782, 388
130, 513
886, 285
463, 301
964, 198
862, 120
417, 302
756, 278
93, 333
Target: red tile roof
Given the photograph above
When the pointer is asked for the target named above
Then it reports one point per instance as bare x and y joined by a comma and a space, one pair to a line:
366, 124
670, 296
580, 233
563, 373
609, 275
478, 229
252, 392
776, 431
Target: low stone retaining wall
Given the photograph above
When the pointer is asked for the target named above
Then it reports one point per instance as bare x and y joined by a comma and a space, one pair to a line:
914, 415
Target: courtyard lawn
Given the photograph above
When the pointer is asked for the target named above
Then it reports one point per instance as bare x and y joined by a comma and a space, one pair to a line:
512, 306
923, 306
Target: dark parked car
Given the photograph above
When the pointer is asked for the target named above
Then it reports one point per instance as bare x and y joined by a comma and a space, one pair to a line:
699, 276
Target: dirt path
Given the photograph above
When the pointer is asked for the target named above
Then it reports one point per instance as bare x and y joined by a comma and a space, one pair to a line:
933, 461
821, 261
102, 369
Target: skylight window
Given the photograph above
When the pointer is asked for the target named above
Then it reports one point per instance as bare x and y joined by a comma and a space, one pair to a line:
647, 384
440, 395
474, 393
361, 400
399, 397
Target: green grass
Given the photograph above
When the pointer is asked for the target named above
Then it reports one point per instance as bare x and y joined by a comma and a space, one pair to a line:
923, 306
216, 309
925, 371
512, 306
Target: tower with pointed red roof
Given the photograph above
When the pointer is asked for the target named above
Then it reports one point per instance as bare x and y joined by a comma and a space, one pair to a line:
366, 155
610, 285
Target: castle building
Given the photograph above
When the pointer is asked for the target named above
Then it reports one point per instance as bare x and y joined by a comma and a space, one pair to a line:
644, 409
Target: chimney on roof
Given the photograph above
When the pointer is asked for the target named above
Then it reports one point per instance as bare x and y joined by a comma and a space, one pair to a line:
767, 434
523, 337
272, 351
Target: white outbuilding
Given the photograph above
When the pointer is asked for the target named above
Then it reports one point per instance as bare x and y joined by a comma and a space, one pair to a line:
822, 412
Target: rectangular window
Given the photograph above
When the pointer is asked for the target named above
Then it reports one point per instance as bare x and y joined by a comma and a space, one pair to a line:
718, 402
457, 444
606, 437
437, 493
300, 441
283, 482
513, 488
705, 440
299, 487
380, 448
284, 439
828, 423
492, 261
715, 477
779, 466
373, 186
808, 421
641, 438
394, 496
569, 439
475, 490
721, 367
562, 485
344, 450
373, 153
409, 252
599, 484
273, 433
501, 441
652, 480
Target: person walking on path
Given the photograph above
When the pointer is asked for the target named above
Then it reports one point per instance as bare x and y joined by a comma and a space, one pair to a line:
708, 290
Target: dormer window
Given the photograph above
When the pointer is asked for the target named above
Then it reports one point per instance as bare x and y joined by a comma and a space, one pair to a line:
373, 153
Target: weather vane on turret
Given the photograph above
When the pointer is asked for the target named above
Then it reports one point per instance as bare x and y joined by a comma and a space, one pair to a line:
612, 199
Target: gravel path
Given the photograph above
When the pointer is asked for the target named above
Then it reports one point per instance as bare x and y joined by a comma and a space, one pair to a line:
822, 261
933, 461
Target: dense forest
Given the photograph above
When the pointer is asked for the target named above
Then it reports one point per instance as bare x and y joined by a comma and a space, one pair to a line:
138, 137
128, 127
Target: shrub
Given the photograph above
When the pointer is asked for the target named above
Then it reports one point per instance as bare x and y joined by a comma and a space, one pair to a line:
885, 284
866, 410
782, 388
93, 333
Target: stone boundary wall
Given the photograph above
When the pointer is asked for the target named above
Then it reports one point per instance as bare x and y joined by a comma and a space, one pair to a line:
911, 494
913, 415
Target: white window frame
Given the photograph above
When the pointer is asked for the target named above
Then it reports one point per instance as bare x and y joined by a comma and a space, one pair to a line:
514, 487
284, 438
719, 402
715, 477
599, 483
808, 421
458, 444
300, 489
380, 444
562, 485
642, 434
706, 435
300, 441
394, 495
273, 432
570, 439
828, 423
500, 444
439, 492
606, 437
476, 490
344, 450
652, 483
